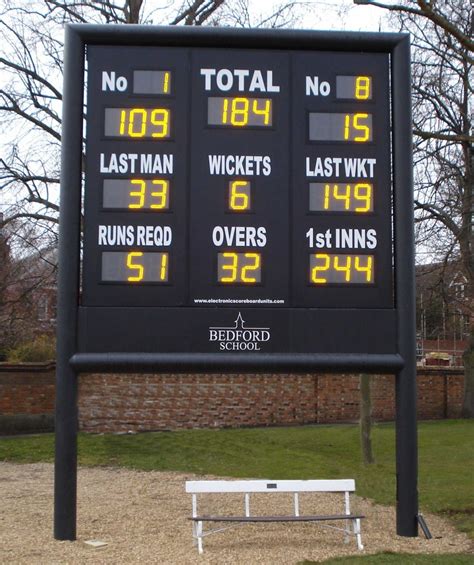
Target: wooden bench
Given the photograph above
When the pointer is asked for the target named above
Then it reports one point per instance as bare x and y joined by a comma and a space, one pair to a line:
343, 486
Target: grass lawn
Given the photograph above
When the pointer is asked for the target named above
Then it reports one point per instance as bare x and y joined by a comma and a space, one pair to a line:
446, 458
399, 559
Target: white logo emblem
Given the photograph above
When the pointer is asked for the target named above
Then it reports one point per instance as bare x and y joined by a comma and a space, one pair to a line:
239, 337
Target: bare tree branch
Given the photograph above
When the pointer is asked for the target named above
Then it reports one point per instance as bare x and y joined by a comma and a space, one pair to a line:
427, 10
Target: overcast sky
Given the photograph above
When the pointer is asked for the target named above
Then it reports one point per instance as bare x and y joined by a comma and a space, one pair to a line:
333, 14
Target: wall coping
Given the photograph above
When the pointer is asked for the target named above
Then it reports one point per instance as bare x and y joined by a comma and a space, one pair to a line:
27, 367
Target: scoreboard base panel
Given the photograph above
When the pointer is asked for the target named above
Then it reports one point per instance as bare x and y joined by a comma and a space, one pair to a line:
250, 334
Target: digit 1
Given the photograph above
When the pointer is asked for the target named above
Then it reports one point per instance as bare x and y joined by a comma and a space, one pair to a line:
123, 116
327, 191
347, 123
164, 267
225, 110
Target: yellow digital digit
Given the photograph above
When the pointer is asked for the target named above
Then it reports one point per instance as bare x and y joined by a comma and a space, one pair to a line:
225, 111
363, 193
164, 267
362, 88
123, 117
161, 195
341, 267
360, 127
265, 111
367, 268
327, 194
140, 194
166, 83
239, 200
137, 122
231, 267
345, 195
326, 261
347, 126
160, 117
139, 270
253, 266
239, 113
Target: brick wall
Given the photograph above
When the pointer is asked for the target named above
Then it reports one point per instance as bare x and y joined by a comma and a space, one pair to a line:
27, 389
26, 398
151, 402
440, 395
121, 403
454, 395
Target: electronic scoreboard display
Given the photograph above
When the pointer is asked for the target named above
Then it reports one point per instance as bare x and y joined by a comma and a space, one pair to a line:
237, 188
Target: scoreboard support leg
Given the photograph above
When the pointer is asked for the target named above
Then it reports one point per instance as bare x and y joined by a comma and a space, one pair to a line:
66, 422
406, 440
406, 453
65, 471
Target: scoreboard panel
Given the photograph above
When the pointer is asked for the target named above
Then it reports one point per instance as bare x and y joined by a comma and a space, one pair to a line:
252, 175
237, 188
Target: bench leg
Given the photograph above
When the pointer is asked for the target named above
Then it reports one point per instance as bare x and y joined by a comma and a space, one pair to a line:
195, 534
199, 536
347, 531
356, 523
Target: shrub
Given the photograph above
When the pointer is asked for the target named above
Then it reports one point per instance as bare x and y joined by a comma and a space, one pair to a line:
42, 348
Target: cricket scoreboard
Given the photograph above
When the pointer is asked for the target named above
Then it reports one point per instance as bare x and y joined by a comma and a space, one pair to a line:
235, 201
238, 197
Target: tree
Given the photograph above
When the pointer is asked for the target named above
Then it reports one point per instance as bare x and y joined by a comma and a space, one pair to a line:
27, 274
443, 55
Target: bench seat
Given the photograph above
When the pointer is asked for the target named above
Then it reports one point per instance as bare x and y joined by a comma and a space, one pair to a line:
288, 518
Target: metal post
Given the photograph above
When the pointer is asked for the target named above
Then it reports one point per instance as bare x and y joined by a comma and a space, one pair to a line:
407, 460
406, 432
65, 475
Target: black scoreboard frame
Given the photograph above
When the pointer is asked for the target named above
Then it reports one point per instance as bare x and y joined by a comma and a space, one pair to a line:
80, 330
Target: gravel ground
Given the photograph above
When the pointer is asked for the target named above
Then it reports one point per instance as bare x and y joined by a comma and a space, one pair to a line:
142, 517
